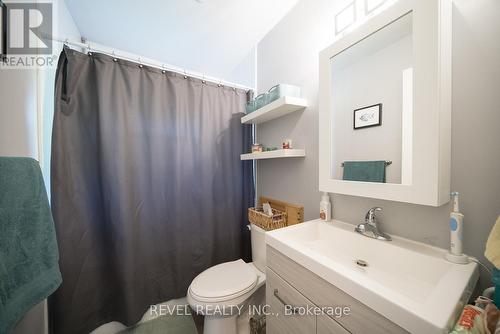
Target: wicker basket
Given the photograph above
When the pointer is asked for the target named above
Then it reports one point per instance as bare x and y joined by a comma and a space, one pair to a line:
257, 217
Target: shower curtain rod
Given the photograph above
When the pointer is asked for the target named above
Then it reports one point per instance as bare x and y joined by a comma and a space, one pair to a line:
146, 61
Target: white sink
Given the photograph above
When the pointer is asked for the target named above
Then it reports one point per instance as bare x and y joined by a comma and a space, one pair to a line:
409, 283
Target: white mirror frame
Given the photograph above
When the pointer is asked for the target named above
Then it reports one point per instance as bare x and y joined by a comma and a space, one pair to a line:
431, 153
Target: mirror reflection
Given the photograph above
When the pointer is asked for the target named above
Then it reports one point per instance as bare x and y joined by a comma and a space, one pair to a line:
372, 107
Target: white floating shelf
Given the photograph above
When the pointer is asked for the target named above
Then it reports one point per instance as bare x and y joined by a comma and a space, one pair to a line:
289, 153
282, 106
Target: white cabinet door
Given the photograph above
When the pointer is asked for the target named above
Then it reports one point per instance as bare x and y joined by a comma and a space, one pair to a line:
287, 306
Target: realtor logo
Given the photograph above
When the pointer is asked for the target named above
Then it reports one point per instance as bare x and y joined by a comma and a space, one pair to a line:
29, 27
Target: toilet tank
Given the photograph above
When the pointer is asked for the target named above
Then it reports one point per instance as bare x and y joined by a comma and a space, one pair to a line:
258, 239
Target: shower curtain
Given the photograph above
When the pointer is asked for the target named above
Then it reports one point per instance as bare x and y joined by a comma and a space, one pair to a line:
148, 189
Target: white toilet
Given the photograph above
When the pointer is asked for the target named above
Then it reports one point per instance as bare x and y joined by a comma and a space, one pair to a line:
221, 291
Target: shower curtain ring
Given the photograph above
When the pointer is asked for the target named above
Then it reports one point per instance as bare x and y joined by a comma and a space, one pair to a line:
114, 58
185, 74
140, 63
163, 69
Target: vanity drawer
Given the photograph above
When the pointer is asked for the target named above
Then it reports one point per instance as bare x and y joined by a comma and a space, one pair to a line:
326, 325
361, 320
279, 293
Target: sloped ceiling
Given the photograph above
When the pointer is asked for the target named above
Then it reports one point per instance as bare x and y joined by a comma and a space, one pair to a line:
209, 36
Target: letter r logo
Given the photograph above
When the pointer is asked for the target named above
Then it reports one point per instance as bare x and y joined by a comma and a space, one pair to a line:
29, 28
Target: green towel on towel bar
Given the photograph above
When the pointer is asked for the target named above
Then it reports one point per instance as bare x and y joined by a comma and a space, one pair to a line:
366, 171
29, 269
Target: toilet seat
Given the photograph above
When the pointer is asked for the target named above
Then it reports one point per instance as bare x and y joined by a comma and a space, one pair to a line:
223, 282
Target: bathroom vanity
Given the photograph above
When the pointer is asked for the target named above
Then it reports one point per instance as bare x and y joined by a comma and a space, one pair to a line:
294, 284
384, 98
400, 286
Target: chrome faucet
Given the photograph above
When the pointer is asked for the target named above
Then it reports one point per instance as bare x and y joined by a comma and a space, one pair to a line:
370, 227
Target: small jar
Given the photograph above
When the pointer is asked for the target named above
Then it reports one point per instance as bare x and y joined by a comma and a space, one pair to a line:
287, 144
256, 148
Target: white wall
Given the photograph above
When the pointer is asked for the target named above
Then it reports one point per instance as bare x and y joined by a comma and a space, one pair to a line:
18, 113
26, 107
244, 73
210, 37
289, 54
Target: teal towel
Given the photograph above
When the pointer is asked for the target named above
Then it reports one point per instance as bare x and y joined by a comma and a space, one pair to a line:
367, 171
29, 270
167, 324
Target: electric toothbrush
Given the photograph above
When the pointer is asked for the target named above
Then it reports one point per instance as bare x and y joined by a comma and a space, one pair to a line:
456, 254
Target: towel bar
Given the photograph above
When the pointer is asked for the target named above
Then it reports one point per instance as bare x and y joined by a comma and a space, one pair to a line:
387, 163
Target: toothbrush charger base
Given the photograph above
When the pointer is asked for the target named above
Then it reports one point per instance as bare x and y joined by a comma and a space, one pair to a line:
458, 259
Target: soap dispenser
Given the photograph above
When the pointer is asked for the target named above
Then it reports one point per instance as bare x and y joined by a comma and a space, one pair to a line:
325, 208
456, 254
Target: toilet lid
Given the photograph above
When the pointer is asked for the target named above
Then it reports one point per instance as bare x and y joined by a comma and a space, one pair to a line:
224, 281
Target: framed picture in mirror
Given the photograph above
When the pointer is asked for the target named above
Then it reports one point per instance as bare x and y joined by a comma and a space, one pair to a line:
367, 117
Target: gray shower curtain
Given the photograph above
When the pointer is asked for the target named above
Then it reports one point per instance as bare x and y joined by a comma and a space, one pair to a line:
148, 189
